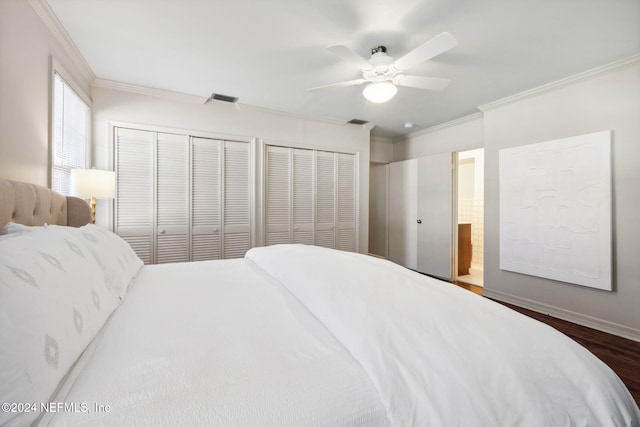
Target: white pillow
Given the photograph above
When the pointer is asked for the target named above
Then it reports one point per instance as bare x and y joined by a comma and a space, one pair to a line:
53, 301
15, 228
119, 262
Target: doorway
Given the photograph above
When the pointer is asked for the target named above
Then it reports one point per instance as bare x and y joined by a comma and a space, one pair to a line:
470, 202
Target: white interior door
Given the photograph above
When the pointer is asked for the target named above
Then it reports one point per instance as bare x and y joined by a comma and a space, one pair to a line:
435, 231
403, 212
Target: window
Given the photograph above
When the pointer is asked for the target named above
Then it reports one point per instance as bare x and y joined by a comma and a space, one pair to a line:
70, 133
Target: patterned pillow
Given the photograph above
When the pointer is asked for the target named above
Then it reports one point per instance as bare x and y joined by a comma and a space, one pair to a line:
53, 301
119, 262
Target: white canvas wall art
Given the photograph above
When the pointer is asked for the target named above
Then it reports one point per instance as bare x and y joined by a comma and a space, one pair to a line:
555, 210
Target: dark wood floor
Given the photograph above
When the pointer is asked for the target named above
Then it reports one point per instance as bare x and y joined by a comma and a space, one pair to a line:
621, 354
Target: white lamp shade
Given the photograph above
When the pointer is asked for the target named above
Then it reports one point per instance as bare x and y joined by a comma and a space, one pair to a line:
87, 183
379, 92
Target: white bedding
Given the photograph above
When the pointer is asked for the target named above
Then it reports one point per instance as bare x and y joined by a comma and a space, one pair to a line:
299, 335
442, 356
215, 343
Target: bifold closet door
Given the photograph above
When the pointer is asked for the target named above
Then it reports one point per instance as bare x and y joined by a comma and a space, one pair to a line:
172, 198
278, 195
289, 195
310, 198
135, 213
325, 199
346, 202
182, 198
236, 200
206, 168
302, 206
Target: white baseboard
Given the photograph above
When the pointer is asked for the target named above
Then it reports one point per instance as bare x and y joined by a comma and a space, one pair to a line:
571, 316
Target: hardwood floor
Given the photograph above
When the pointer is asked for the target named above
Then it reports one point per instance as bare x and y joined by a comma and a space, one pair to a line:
473, 288
621, 354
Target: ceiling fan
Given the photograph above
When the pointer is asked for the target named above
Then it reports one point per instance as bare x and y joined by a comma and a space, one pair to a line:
384, 73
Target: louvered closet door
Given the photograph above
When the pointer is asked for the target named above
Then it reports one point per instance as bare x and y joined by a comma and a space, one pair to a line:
206, 168
134, 208
325, 199
237, 237
302, 208
172, 198
346, 209
278, 192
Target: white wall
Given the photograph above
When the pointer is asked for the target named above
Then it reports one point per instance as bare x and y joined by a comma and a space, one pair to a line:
378, 209
606, 100
26, 45
603, 99
381, 150
184, 112
458, 135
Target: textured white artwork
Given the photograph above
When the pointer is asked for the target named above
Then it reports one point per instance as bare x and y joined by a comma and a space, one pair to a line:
555, 210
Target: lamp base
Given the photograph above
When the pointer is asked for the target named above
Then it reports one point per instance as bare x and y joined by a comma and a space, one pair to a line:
93, 210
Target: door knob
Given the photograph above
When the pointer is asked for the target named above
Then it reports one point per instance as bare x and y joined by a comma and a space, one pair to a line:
419, 221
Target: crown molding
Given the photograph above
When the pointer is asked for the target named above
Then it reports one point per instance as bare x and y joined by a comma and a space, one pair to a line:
441, 126
195, 99
381, 139
43, 10
319, 119
585, 75
149, 91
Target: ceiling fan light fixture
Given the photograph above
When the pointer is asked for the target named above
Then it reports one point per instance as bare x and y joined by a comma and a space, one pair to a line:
379, 92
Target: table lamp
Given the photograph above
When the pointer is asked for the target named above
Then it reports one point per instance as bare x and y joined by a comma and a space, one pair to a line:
93, 184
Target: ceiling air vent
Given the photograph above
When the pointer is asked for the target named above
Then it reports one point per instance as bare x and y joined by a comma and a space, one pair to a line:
357, 122
224, 98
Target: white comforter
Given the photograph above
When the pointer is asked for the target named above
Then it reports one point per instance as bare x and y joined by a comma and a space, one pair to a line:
442, 356
216, 344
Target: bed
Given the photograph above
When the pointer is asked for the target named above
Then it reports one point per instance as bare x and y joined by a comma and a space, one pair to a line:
289, 335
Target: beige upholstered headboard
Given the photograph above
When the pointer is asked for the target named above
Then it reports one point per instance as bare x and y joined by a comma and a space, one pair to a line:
31, 204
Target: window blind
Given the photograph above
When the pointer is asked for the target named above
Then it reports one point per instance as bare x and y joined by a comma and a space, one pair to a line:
70, 134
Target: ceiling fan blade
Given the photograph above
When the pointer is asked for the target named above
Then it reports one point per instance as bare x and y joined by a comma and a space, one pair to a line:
340, 84
440, 43
429, 83
350, 56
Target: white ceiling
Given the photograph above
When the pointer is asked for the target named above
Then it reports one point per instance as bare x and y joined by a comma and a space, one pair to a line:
268, 52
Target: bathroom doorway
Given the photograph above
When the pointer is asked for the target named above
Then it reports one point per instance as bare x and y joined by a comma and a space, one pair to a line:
470, 247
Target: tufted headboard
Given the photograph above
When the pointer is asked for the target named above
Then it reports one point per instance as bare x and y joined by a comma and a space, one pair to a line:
31, 204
